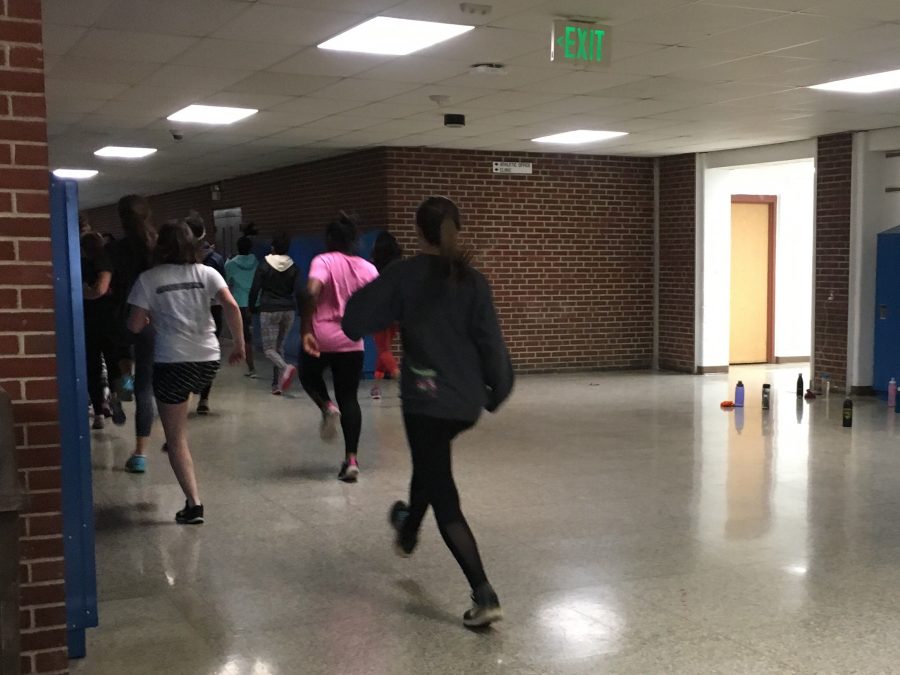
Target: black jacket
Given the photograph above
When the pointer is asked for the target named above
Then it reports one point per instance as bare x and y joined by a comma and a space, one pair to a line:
275, 289
455, 361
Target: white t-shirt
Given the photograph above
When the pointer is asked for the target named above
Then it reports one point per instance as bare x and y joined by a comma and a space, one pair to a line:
177, 299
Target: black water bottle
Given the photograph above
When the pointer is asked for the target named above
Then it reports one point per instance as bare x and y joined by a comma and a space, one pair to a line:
848, 413
800, 385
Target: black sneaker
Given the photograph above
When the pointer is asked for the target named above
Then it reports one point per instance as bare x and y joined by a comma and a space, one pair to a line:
404, 544
485, 608
349, 472
190, 515
118, 413
203, 407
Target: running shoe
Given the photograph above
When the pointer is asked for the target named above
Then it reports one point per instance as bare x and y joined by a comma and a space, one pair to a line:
349, 472
136, 464
190, 515
331, 417
118, 413
203, 407
375, 393
98, 423
485, 608
276, 391
126, 388
404, 544
251, 374
287, 377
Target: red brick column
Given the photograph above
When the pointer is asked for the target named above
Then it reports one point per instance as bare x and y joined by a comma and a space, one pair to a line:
677, 261
832, 258
27, 341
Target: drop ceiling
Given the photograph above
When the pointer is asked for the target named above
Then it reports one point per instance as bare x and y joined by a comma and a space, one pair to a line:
686, 76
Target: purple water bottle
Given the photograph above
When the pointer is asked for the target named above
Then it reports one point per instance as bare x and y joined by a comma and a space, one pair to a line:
739, 395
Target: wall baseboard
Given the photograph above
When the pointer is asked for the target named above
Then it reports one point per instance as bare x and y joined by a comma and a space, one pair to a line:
791, 359
711, 370
863, 391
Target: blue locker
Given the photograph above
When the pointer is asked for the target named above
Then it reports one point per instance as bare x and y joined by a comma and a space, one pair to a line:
887, 310
77, 487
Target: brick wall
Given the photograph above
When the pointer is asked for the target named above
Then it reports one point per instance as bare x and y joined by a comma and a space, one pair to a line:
569, 249
832, 258
27, 342
677, 261
298, 199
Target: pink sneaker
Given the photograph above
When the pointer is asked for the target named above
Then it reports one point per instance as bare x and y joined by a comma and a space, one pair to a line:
287, 378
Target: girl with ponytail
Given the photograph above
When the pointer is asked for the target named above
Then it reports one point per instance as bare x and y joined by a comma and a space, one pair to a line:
455, 364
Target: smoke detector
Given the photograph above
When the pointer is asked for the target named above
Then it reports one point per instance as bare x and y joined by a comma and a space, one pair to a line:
454, 121
488, 69
478, 10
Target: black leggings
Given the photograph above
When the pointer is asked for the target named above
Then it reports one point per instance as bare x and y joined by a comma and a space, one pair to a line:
99, 346
346, 371
432, 483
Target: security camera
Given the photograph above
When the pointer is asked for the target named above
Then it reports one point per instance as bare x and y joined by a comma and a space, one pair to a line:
176, 135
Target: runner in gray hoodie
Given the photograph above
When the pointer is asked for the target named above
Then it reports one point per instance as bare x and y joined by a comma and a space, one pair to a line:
274, 287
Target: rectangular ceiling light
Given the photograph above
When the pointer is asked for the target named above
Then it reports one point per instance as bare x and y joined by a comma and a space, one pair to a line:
580, 136
211, 114
77, 174
393, 37
124, 152
867, 84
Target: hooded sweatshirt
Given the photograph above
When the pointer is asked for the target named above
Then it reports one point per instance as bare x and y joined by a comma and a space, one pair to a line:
239, 273
274, 283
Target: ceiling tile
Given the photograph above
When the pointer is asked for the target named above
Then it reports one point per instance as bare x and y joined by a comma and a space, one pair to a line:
100, 70
69, 13
281, 84
342, 121
130, 46
244, 100
243, 55
357, 89
60, 39
691, 22
174, 17
882, 10
419, 70
583, 82
287, 25
201, 80
315, 61
65, 88
313, 105
670, 60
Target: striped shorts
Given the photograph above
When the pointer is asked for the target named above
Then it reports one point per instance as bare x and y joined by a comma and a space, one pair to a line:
173, 383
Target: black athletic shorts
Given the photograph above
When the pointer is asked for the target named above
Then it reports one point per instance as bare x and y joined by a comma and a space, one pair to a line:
173, 383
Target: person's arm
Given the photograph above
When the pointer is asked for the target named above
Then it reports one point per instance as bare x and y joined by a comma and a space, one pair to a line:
496, 366
374, 307
233, 318
307, 309
138, 319
255, 288
99, 287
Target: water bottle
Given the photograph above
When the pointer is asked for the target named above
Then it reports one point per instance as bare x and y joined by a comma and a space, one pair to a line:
800, 385
739, 395
848, 413
892, 393
766, 396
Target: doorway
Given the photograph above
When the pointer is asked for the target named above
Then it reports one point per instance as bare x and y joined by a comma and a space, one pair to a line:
753, 233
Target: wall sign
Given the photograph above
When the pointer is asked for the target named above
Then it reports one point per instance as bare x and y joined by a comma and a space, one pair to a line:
577, 42
513, 167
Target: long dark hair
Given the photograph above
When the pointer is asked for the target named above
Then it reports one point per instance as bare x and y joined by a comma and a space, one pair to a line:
386, 250
341, 233
176, 245
137, 221
439, 221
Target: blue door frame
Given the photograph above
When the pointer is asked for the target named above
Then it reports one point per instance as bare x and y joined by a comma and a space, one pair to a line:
77, 490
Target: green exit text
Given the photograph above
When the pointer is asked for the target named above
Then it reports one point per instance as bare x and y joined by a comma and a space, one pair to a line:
583, 43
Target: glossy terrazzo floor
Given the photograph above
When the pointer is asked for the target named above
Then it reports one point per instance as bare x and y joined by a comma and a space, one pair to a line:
628, 524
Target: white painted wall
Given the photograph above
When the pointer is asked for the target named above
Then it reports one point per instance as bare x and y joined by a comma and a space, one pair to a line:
793, 183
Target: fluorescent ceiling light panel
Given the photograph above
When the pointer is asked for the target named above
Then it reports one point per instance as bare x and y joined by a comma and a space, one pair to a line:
211, 114
867, 84
124, 152
394, 37
77, 174
580, 136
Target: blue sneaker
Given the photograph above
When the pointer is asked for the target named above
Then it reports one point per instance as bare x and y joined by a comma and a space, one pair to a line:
126, 388
136, 464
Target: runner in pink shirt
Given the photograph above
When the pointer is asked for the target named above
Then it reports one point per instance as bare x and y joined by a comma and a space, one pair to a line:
333, 278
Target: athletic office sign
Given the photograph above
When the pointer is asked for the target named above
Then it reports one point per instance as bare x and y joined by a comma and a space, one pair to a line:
579, 42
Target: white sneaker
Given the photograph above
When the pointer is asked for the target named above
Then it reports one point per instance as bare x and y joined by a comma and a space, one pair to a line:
331, 417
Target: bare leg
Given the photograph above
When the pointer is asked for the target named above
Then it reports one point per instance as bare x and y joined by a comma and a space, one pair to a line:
174, 422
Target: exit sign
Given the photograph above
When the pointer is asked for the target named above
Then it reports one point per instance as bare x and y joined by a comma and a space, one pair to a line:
577, 42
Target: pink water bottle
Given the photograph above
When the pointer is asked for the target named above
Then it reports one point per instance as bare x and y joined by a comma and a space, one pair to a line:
892, 393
